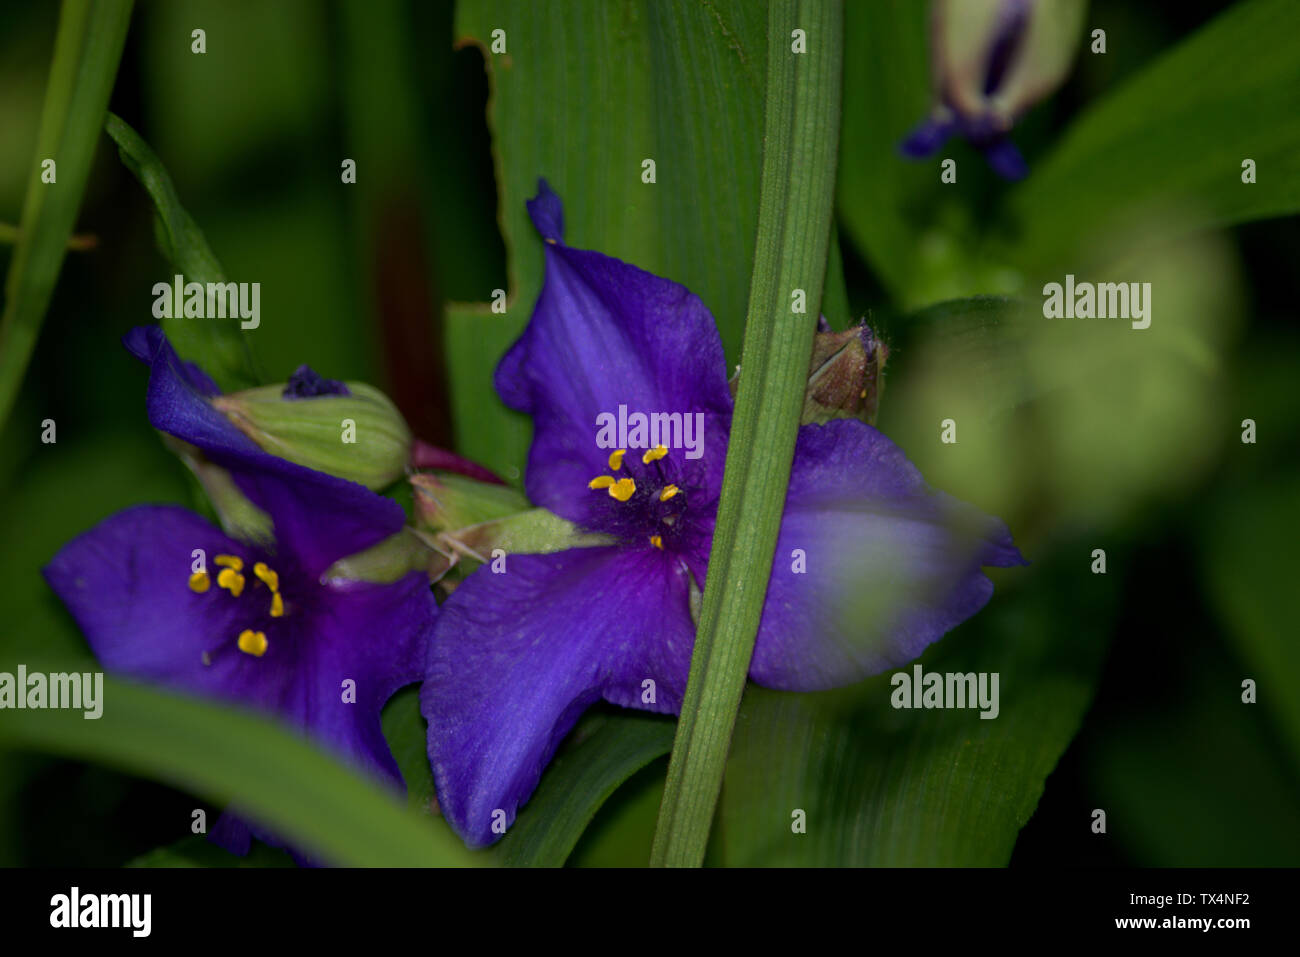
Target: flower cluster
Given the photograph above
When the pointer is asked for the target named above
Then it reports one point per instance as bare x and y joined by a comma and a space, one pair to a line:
599, 608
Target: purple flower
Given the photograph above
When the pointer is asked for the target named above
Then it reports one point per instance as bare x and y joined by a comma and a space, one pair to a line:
164, 596
516, 657
992, 60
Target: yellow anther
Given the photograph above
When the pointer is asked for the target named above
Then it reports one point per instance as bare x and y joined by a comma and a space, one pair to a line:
668, 492
616, 459
231, 580
200, 582
230, 561
657, 541
252, 642
622, 489
267, 575
277, 606
601, 481
651, 455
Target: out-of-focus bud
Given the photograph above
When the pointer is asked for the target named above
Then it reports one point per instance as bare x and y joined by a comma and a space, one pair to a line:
991, 61
350, 430
846, 375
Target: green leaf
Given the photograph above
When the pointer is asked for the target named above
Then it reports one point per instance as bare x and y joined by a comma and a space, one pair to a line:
884, 200
86, 54
1251, 567
586, 91
198, 851
800, 135
1163, 154
218, 343
603, 751
224, 754
486, 431
899, 787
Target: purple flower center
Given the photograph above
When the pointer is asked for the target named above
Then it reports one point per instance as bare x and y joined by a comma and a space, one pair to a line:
257, 588
646, 499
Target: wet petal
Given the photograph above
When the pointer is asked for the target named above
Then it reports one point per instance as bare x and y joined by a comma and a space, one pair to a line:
871, 565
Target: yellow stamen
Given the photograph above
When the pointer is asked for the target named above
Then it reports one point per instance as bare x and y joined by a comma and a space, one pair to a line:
200, 582
277, 606
657, 542
668, 492
622, 489
267, 575
252, 642
651, 455
230, 561
616, 459
601, 481
230, 579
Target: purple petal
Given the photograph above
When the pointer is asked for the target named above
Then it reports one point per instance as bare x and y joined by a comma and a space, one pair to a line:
889, 565
605, 334
126, 582
926, 139
376, 636
318, 518
295, 496
547, 212
517, 657
1005, 159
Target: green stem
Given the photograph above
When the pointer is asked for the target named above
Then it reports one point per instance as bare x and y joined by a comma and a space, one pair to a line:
86, 54
801, 138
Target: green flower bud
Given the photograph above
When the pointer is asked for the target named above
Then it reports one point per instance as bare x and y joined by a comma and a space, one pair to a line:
352, 430
467, 523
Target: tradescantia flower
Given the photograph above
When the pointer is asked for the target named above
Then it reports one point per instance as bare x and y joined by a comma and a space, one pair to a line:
519, 652
163, 595
992, 60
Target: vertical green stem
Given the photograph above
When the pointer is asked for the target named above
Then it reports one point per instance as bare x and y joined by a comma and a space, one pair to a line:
801, 137
86, 54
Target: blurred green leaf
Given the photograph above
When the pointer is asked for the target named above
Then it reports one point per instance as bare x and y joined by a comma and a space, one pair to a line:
1251, 566
198, 851
86, 54
603, 751
1196, 778
1163, 153
217, 344
222, 754
883, 200
901, 787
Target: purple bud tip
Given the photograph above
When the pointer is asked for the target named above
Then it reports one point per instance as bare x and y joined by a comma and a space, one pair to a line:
306, 383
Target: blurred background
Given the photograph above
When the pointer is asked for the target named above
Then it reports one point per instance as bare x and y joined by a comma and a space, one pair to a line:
1081, 436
